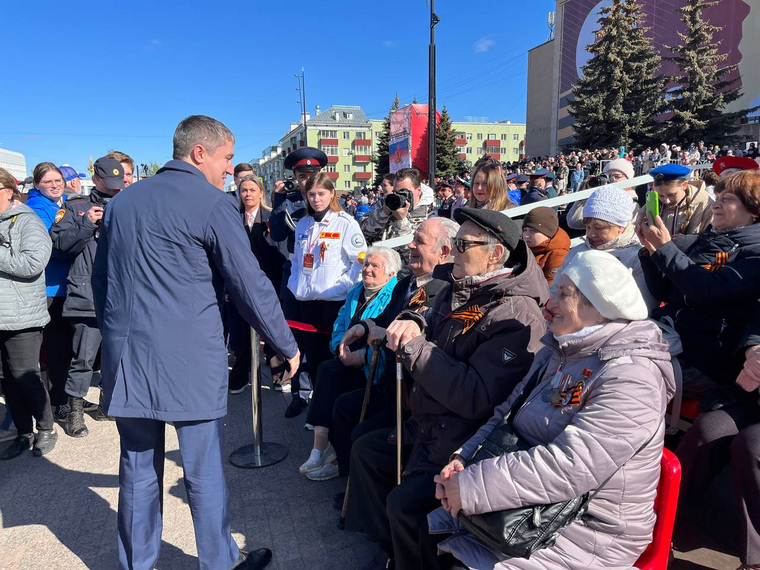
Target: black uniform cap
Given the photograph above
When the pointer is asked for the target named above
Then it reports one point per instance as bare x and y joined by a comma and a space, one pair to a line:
306, 159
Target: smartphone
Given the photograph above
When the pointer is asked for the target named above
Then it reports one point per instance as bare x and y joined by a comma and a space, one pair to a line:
653, 203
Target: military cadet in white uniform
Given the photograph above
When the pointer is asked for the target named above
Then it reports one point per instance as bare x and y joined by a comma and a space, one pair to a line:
326, 262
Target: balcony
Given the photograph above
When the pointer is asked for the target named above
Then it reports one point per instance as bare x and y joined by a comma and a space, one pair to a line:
332, 142
494, 155
460, 142
362, 175
362, 142
332, 175
362, 158
463, 156
332, 158
492, 143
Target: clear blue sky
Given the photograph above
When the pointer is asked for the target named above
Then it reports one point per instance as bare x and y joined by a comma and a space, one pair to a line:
81, 78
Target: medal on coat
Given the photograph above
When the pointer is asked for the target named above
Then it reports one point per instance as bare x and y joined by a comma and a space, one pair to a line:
468, 317
322, 250
569, 393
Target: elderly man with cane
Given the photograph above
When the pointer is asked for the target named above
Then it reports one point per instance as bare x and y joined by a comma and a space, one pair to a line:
169, 249
469, 350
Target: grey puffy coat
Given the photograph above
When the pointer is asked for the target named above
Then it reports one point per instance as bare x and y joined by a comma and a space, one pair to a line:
576, 449
24, 252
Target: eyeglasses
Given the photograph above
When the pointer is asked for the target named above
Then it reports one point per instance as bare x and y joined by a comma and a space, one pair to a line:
462, 244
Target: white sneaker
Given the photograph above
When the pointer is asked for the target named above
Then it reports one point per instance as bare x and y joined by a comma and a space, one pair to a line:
328, 471
317, 459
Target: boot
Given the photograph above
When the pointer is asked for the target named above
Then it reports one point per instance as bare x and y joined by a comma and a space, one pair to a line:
75, 426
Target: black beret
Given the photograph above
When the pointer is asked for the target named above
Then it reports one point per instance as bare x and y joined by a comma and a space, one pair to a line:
502, 227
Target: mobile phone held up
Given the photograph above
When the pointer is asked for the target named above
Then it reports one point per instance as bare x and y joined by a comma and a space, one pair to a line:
653, 204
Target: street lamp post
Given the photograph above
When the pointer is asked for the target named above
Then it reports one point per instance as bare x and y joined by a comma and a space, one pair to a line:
434, 19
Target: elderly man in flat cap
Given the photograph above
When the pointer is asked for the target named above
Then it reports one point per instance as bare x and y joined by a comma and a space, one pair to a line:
465, 356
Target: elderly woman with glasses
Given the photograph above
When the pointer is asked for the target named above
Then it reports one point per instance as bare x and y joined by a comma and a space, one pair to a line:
25, 248
595, 405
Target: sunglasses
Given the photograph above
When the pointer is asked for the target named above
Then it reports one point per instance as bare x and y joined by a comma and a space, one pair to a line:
462, 244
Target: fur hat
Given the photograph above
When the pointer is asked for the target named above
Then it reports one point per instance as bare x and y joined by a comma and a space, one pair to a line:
608, 285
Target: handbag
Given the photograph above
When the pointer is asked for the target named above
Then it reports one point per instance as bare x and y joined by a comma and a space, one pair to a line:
521, 531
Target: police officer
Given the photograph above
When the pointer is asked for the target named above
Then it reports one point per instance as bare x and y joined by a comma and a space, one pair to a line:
75, 234
537, 190
446, 194
288, 207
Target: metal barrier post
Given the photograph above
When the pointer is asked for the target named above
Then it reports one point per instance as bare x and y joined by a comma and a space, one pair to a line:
259, 453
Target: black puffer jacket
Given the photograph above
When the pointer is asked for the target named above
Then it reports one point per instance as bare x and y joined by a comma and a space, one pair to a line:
709, 284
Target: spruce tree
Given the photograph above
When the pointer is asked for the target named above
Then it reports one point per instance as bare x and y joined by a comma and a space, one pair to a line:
702, 89
447, 159
381, 158
621, 90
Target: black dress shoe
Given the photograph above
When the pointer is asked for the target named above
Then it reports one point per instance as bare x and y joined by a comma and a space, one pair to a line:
337, 500
297, 404
44, 442
254, 560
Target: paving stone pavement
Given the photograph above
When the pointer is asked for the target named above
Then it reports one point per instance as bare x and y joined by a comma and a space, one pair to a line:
59, 511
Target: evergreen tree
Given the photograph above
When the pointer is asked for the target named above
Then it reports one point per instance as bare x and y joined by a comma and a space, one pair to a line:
381, 159
447, 159
702, 89
621, 90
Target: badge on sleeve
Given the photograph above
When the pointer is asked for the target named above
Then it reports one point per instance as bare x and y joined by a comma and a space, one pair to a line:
59, 215
357, 240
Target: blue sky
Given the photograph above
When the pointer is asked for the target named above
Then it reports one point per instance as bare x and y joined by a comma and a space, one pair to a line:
81, 78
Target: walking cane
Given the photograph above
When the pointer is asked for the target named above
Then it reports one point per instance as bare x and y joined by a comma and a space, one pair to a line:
365, 404
399, 381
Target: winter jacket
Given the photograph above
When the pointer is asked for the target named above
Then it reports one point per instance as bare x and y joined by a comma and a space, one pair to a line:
709, 284
24, 251
692, 216
346, 317
626, 248
551, 254
576, 447
57, 270
75, 238
480, 339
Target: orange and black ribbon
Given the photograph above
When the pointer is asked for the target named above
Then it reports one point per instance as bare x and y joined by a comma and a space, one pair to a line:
418, 298
721, 259
468, 317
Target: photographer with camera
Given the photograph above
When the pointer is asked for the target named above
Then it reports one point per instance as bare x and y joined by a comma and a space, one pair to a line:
402, 212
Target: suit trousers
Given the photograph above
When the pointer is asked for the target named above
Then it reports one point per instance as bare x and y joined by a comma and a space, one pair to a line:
141, 472
85, 346
56, 337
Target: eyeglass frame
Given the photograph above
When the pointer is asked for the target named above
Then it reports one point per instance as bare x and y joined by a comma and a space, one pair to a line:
467, 243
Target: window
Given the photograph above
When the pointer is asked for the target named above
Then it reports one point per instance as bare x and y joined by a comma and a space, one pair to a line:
469, 150
361, 135
347, 184
361, 168
330, 150
480, 136
515, 137
503, 137
515, 151
503, 150
346, 136
330, 168
468, 136
346, 152
328, 134
491, 136
365, 150
346, 168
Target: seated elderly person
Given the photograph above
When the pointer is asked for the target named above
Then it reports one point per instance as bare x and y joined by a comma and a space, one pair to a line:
607, 219
464, 357
709, 282
684, 207
348, 371
596, 398
429, 249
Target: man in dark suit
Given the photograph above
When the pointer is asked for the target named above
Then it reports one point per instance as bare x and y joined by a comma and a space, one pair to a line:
169, 250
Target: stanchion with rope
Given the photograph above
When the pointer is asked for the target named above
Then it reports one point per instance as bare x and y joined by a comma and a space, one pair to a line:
259, 453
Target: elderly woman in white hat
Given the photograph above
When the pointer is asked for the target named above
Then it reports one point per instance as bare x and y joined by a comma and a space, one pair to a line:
593, 419
607, 218
616, 170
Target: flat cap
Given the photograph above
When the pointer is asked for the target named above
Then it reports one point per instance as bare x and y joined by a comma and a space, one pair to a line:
502, 227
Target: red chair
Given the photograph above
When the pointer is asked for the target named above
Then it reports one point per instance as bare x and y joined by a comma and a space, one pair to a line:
657, 554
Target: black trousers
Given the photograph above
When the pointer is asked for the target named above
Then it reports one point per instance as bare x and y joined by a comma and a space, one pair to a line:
316, 345
333, 379
346, 428
731, 434
24, 391
57, 338
393, 515
85, 346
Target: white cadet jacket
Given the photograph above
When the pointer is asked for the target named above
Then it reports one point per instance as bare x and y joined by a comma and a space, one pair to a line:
338, 248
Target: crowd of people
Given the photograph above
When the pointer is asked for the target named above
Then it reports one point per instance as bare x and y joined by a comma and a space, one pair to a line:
412, 362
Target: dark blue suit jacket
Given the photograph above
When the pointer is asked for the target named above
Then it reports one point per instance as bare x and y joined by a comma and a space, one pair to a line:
170, 246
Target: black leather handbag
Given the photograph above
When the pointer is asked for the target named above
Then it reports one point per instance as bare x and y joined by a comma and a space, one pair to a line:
520, 532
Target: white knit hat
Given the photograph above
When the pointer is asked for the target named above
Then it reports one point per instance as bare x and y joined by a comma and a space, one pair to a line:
608, 285
621, 165
611, 204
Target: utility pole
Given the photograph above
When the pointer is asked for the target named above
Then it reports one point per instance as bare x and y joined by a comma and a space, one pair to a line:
301, 78
434, 19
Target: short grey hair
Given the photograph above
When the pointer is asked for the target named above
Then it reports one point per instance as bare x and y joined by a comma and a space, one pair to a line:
199, 129
392, 258
446, 231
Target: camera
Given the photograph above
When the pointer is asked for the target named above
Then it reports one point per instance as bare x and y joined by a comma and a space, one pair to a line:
600, 180
398, 199
290, 185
